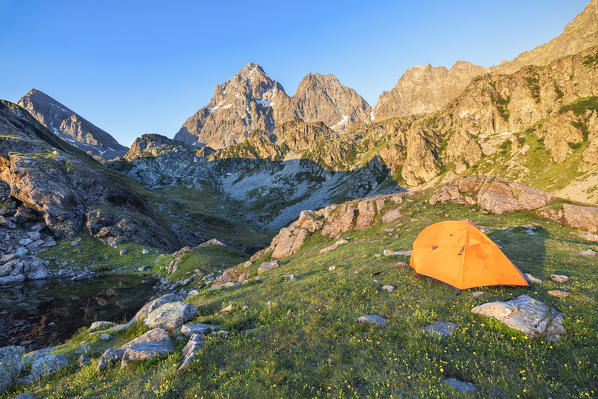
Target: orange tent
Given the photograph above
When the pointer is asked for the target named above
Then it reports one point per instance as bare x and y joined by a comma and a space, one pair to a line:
458, 254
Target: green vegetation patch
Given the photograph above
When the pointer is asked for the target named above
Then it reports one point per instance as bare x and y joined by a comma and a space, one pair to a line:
580, 106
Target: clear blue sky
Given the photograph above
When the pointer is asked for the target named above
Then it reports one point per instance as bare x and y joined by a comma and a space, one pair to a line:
133, 67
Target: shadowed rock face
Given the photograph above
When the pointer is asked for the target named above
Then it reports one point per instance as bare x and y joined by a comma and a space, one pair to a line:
70, 189
251, 100
71, 126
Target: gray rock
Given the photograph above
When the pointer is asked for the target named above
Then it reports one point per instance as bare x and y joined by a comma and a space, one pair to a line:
24, 396
268, 266
110, 357
477, 294
105, 337
25, 241
122, 252
21, 251
388, 252
32, 357
198, 329
526, 314
46, 366
442, 328
190, 350
559, 278
152, 305
84, 360
145, 251
11, 364
155, 335
146, 350
33, 235
101, 325
461, 386
171, 315
49, 243
373, 319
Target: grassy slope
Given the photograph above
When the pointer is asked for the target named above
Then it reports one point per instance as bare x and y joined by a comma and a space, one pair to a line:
306, 342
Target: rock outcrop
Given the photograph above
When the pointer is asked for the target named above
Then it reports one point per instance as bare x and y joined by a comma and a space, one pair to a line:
71, 126
70, 190
493, 194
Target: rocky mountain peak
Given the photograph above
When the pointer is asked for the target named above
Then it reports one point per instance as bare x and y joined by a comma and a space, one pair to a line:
71, 126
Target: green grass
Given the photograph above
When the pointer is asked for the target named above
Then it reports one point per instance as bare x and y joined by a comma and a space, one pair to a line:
305, 341
580, 106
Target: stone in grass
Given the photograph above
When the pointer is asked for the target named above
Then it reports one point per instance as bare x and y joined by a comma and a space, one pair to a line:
461, 386
105, 337
559, 278
122, 252
198, 328
190, 350
113, 355
10, 365
559, 293
442, 328
171, 315
46, 366
532, 279
588, 252
388, 288
477, 294
84, 360
268, 266
373, 319
146, 351
110, 357
24, 396
101, 325
526, 314
332, 268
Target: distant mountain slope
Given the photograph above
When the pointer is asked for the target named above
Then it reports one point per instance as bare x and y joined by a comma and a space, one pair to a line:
424, 89
71, 126
251, 100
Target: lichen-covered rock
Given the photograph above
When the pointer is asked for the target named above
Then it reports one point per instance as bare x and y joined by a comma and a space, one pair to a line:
268, 266
110, 357
526, 314
373, 319
46, 366
190, 350
198, 328
171, 316
152, 305
11, 365
101, 325
146, 350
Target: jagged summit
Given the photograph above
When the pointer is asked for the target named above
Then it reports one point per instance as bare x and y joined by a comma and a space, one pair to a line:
251, 100
71, 126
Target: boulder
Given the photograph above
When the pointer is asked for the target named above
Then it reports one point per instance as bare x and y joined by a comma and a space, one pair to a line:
110, 357
171, 315
288, 241
373, 319
268, 266
11, 364
559, 278
152, 305
146, 351
101, 325
581, 217
531, 279
365, 215
526, 314
46, 366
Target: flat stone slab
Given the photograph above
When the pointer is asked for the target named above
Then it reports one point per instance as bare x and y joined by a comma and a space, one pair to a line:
198, 328
461, 386
559, 293
334, 246
373, 319
528, 315
146, 351
171, 315
559, 278
441, 328
113, 355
